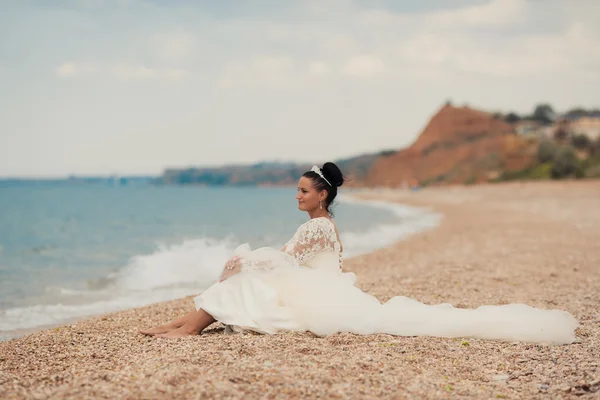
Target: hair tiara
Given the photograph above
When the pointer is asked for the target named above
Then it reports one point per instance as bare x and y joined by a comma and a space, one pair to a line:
317, 170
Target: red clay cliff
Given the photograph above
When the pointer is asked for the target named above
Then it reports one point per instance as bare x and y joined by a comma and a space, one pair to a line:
458, 145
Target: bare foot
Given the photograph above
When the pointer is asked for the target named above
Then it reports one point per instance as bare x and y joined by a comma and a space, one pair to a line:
183, 331
161, 329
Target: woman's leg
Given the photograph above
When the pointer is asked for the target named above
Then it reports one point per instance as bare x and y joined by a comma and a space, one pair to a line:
195, 323
171, 326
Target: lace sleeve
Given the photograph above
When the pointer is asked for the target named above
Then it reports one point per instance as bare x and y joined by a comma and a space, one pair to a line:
312, 237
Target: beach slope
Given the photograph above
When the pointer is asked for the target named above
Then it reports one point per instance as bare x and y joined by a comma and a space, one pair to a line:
534, 243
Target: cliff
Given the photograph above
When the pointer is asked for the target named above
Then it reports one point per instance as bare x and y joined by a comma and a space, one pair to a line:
458, 145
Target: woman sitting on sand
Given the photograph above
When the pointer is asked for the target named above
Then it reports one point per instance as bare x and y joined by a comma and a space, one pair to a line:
302, 287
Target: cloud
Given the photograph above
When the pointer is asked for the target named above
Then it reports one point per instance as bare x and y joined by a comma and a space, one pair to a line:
266, 70
72, 69
493, 14
297, 70
368, 42
571, 51
140, 72
67, 69
363, 66
500, 38
319, 68
176, 46
122, 71
272, 65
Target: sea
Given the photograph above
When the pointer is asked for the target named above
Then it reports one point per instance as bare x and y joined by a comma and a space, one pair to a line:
71, 250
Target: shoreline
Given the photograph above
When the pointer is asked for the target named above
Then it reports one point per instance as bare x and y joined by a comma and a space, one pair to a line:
429, 217
534, 243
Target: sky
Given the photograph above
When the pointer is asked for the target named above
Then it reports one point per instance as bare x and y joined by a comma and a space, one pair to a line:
131, 87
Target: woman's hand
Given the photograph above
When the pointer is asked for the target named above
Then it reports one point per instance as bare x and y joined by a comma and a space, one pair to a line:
232, 267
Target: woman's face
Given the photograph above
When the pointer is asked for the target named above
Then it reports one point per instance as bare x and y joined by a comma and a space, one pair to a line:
307, 196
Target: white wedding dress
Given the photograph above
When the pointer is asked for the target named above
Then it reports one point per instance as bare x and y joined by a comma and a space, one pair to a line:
303, 288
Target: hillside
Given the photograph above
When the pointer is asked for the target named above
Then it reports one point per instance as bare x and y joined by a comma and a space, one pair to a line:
458, 145
265, 174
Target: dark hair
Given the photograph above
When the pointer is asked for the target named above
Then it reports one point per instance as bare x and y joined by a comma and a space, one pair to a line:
332, 173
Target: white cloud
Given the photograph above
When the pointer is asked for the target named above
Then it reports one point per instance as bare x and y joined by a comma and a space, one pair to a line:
140, 72
381, 18
572, 51
123, 71
502, 38
429, 50
272, 65
72, 69
299, 69
363, 66
176, 46
338, 43
319, 68
67, 69
492, 14
365, 44
267, 70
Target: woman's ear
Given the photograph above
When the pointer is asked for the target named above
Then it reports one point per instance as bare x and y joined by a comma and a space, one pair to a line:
323, 195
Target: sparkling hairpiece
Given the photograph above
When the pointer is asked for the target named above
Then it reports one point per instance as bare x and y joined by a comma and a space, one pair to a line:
317, 170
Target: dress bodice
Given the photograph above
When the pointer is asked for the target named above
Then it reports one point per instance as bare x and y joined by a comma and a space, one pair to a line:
315, 245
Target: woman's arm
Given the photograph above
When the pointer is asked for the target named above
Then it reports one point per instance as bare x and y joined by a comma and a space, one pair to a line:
260, 260
311, 238
232, 267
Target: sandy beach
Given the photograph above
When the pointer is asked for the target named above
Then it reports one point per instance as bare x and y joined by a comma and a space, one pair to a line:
533, 243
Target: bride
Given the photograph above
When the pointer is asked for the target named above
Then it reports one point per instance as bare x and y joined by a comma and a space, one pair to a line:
302, 287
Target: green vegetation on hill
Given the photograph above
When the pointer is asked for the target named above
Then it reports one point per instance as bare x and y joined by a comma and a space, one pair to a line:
566, 154
578, 158
265, 173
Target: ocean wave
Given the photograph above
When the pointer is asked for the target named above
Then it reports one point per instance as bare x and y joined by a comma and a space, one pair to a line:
170, 272
21, 318
188, 268
192, 262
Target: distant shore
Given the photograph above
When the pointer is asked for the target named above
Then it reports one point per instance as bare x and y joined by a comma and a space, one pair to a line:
533, 243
